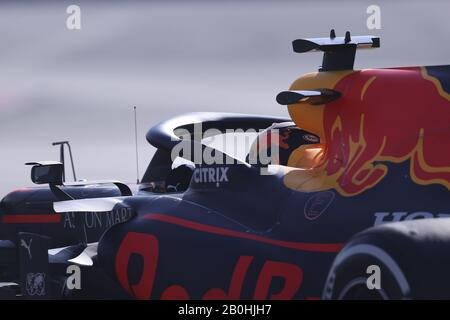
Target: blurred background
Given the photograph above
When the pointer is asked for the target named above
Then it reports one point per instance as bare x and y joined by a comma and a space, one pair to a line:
167, 58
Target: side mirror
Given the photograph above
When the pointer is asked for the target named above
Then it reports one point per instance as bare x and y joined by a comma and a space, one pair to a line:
44, 172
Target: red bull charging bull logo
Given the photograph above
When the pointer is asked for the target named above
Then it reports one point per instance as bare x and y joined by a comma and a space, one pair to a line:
383, 116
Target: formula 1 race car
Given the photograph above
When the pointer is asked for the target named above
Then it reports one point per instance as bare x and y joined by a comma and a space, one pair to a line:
331, 202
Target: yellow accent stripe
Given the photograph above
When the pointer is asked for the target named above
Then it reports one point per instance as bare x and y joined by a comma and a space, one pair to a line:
366, 85
436, 82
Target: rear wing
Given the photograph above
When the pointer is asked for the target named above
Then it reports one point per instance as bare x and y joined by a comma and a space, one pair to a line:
339, 52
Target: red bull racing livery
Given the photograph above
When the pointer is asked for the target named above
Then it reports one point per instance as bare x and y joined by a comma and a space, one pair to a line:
352, 188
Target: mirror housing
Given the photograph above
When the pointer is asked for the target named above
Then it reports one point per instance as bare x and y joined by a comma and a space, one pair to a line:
47, 172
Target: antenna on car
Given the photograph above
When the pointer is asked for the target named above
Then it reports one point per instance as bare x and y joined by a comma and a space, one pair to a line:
61, 145
136, 145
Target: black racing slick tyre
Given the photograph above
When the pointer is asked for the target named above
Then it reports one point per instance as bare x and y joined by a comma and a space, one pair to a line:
350, 278
400, 260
